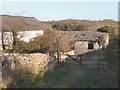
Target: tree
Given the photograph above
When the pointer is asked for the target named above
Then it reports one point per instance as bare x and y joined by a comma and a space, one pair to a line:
62, 43
108, 29
43, 44
47, 41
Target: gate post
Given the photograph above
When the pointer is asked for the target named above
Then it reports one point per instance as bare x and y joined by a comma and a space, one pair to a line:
58, 56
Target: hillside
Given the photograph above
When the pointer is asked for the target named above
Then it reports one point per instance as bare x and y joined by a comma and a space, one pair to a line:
80, 25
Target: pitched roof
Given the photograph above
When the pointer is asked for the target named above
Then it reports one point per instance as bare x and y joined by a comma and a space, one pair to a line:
20, 23
82, 35
90, 36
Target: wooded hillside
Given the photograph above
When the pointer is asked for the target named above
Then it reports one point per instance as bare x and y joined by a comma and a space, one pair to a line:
80, 25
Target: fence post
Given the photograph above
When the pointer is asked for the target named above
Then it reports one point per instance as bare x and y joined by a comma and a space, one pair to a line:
58, 56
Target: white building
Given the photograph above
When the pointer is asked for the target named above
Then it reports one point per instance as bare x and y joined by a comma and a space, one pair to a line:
26, 27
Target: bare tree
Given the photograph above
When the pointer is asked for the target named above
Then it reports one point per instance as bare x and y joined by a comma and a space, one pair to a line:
63, 43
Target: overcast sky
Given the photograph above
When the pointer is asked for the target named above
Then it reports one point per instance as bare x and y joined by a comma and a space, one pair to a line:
45, 11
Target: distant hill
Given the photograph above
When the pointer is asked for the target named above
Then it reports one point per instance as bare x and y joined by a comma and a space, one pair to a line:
80, 25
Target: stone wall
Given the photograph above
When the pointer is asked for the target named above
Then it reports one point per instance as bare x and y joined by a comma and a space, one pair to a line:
81, 47
36, 62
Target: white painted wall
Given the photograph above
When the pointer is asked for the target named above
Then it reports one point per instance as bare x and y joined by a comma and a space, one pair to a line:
70, 52
8, 37
28, 35
96, 46
107, 41
22, 35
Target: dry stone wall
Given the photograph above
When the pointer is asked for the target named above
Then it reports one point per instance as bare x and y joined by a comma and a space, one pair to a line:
36, 62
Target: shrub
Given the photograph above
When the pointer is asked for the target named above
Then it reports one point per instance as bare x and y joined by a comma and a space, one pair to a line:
108, 29
42, 43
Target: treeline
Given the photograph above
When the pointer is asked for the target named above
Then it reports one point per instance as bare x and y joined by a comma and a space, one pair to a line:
67, 25
79, 25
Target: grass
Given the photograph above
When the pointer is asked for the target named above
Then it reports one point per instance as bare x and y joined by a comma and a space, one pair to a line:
70, 76
65, 75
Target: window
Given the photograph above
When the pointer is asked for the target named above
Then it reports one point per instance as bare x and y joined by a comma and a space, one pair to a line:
90, 46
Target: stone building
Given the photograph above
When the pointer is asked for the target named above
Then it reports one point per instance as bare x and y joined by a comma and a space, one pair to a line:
29, 27
88, 41
84, 41
26, 28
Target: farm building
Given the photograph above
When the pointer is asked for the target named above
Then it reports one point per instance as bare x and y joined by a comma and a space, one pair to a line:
89, 41
29, 27
26, 28
84, 41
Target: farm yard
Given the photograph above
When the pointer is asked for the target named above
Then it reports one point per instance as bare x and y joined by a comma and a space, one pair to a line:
71, 76
67, 74
59, 54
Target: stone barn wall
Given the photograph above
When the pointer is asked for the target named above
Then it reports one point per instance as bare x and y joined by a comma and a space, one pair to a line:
82, 47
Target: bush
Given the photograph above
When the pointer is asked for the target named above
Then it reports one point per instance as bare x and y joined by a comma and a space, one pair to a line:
42, 44
108, 29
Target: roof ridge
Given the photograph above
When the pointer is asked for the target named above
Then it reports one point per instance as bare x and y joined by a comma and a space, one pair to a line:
16, 16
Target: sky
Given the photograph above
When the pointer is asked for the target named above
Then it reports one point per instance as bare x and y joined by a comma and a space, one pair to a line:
72, 9
59, 0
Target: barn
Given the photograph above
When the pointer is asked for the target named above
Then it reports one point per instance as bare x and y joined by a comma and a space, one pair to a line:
29, 27
88, 41
84, 41
26, 28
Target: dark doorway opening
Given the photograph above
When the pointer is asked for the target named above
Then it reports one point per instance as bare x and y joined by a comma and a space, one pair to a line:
90, 46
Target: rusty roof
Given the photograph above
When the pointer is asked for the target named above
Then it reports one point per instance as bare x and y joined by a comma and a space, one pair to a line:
20, 23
